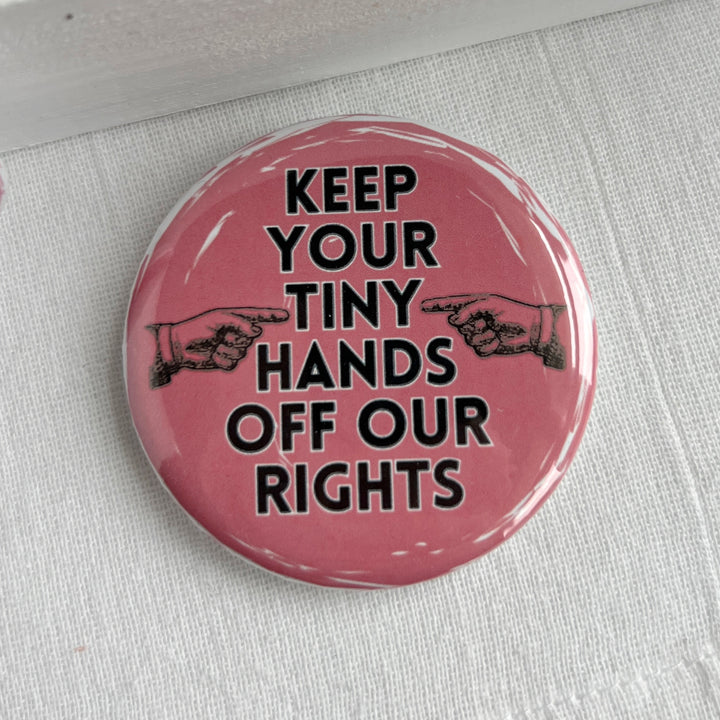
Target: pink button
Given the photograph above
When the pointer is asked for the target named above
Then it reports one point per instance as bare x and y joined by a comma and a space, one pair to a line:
360, 352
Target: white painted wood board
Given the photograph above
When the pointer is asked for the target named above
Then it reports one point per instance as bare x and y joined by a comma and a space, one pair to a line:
72, 66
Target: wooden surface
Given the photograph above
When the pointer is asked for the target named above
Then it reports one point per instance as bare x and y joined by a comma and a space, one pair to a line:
72, 67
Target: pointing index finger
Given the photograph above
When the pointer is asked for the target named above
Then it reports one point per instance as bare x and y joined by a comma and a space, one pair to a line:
448, 303
261, 315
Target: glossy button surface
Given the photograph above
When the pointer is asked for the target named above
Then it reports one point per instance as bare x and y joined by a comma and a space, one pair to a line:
360, 352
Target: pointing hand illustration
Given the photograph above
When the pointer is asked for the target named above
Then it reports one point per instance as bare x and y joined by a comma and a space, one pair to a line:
498, 325
214, 340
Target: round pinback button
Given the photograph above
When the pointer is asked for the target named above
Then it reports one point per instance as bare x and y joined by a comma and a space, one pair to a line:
360, 352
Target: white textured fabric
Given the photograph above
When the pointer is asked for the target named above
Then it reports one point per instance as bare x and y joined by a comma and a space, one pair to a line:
113, 605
